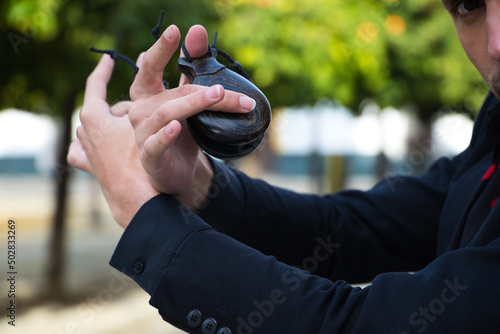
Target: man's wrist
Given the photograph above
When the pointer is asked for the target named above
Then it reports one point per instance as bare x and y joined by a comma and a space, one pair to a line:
195, 197
125, 198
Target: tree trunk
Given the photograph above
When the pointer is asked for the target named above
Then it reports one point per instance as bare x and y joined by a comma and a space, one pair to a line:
62, 172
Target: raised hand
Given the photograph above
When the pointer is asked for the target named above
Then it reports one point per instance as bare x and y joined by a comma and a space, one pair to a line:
168, 152
106, 147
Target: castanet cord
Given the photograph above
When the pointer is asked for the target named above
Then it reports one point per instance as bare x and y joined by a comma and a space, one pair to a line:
116, 56
233, 65
156, 30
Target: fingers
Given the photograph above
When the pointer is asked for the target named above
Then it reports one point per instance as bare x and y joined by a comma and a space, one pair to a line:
121, 108
235, 103
95, 106
177, 108
156, 145
189, 100
77, 156
196, 41
148, 80
97, 81
196, 44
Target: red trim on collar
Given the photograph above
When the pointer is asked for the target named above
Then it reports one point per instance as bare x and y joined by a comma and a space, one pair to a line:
489, 173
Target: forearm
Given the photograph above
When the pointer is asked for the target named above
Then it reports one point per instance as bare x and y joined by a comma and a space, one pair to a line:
184, 264
366, 232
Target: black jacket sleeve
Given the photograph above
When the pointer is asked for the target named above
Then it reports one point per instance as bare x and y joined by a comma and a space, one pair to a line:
186, 266
378, 230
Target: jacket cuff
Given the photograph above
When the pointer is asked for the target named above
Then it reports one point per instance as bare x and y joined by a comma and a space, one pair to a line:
151, 239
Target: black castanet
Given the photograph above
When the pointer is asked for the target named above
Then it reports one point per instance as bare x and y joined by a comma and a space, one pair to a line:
221, 134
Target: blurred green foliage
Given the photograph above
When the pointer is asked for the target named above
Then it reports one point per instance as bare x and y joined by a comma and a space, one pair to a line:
392, 51
45, 45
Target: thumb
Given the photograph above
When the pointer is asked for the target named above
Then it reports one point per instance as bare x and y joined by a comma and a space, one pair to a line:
121, 108
157, 145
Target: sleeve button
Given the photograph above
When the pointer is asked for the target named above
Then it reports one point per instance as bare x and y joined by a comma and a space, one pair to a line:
139, 267
194, 318
209, 326
224, 330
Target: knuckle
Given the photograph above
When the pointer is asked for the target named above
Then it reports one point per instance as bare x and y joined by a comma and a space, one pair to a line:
133, 115
134, 91
72, 159
192, 100
149, 150
79, 132
138, 113
162, 114
84, 115
188, 89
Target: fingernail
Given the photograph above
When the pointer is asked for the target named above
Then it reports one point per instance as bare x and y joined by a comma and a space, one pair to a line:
247, 103
213, 92
168, 33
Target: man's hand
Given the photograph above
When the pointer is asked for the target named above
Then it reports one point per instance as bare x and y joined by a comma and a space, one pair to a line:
168, 152
133, 164
106, 148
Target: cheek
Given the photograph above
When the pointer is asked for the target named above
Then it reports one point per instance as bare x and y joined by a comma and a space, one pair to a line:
476, 57
474, 41
469, 43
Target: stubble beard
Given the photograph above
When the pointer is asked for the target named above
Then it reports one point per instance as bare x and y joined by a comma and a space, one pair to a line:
495, 85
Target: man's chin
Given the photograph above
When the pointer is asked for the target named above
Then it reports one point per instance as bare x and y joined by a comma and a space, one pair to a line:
495, 89
495, 85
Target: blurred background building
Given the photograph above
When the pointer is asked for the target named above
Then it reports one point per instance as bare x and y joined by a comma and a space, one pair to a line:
382, 89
